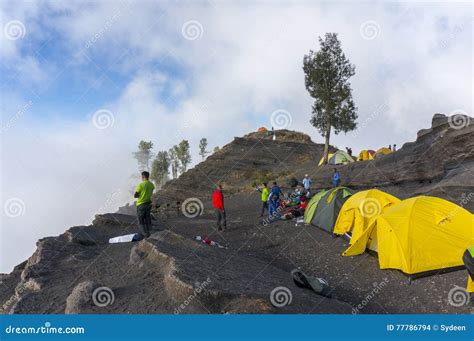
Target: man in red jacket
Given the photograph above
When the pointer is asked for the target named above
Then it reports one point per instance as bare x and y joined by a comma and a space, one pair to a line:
218, 201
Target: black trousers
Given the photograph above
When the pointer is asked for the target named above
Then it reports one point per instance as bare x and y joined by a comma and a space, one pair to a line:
264, 207
221, 220
144, 219
469, 263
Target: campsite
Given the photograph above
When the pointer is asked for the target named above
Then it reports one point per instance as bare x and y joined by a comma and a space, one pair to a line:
383, 244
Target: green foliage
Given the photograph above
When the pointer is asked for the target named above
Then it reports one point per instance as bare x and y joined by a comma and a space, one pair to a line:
183, 155
202, 148
216, 149
174, 161
144, 155
327, 74
160, 168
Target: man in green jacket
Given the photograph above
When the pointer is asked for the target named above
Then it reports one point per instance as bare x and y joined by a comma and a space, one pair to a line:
265, 191
143, 194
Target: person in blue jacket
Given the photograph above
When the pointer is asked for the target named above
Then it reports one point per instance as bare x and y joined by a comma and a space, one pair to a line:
274, 199
336, 178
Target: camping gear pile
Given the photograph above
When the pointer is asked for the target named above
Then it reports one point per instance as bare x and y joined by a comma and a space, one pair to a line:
416, 236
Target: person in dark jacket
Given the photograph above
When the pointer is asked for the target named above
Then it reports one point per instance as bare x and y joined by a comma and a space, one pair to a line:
274, 200
218, 201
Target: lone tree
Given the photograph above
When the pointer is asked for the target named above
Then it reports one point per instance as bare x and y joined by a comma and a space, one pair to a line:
160, 168
184, 156
202, 148
327, 74
144, 155
174, 161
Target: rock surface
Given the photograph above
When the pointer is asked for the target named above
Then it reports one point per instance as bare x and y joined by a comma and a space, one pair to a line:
171, 272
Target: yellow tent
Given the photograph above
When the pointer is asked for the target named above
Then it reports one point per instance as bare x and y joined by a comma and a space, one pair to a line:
365, 155
382, 151
420, 234
322, 159
360, 211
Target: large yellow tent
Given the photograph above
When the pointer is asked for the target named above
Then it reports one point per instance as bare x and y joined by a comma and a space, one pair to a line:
420, 234
360, 211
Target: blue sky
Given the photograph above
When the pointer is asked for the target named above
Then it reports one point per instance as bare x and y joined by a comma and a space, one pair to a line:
83, 81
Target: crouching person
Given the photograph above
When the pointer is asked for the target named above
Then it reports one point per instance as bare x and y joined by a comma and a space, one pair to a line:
143, 194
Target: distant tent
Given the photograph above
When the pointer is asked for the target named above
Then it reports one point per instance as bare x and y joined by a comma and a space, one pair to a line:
262, 130
312, 204
328, 208
382, 151
366, 155
420, 234
360, 211
338, 158
322, 159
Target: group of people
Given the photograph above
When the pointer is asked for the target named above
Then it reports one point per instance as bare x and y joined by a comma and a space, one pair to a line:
271, 201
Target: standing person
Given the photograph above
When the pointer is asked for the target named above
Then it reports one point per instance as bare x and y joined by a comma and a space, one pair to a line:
143, 194
218, 201
307, 184
336, 178
394, 147
390, 146
265, 192
274, 199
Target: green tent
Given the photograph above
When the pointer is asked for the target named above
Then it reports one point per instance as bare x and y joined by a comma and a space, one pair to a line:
329, 206
340, 157
311, 208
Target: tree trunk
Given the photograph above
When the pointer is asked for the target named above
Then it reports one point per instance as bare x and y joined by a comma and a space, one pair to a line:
326, 146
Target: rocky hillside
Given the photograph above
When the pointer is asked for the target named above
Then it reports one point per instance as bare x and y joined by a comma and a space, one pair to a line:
172, 272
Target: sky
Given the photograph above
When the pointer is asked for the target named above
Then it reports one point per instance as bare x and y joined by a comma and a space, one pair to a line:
82, 82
